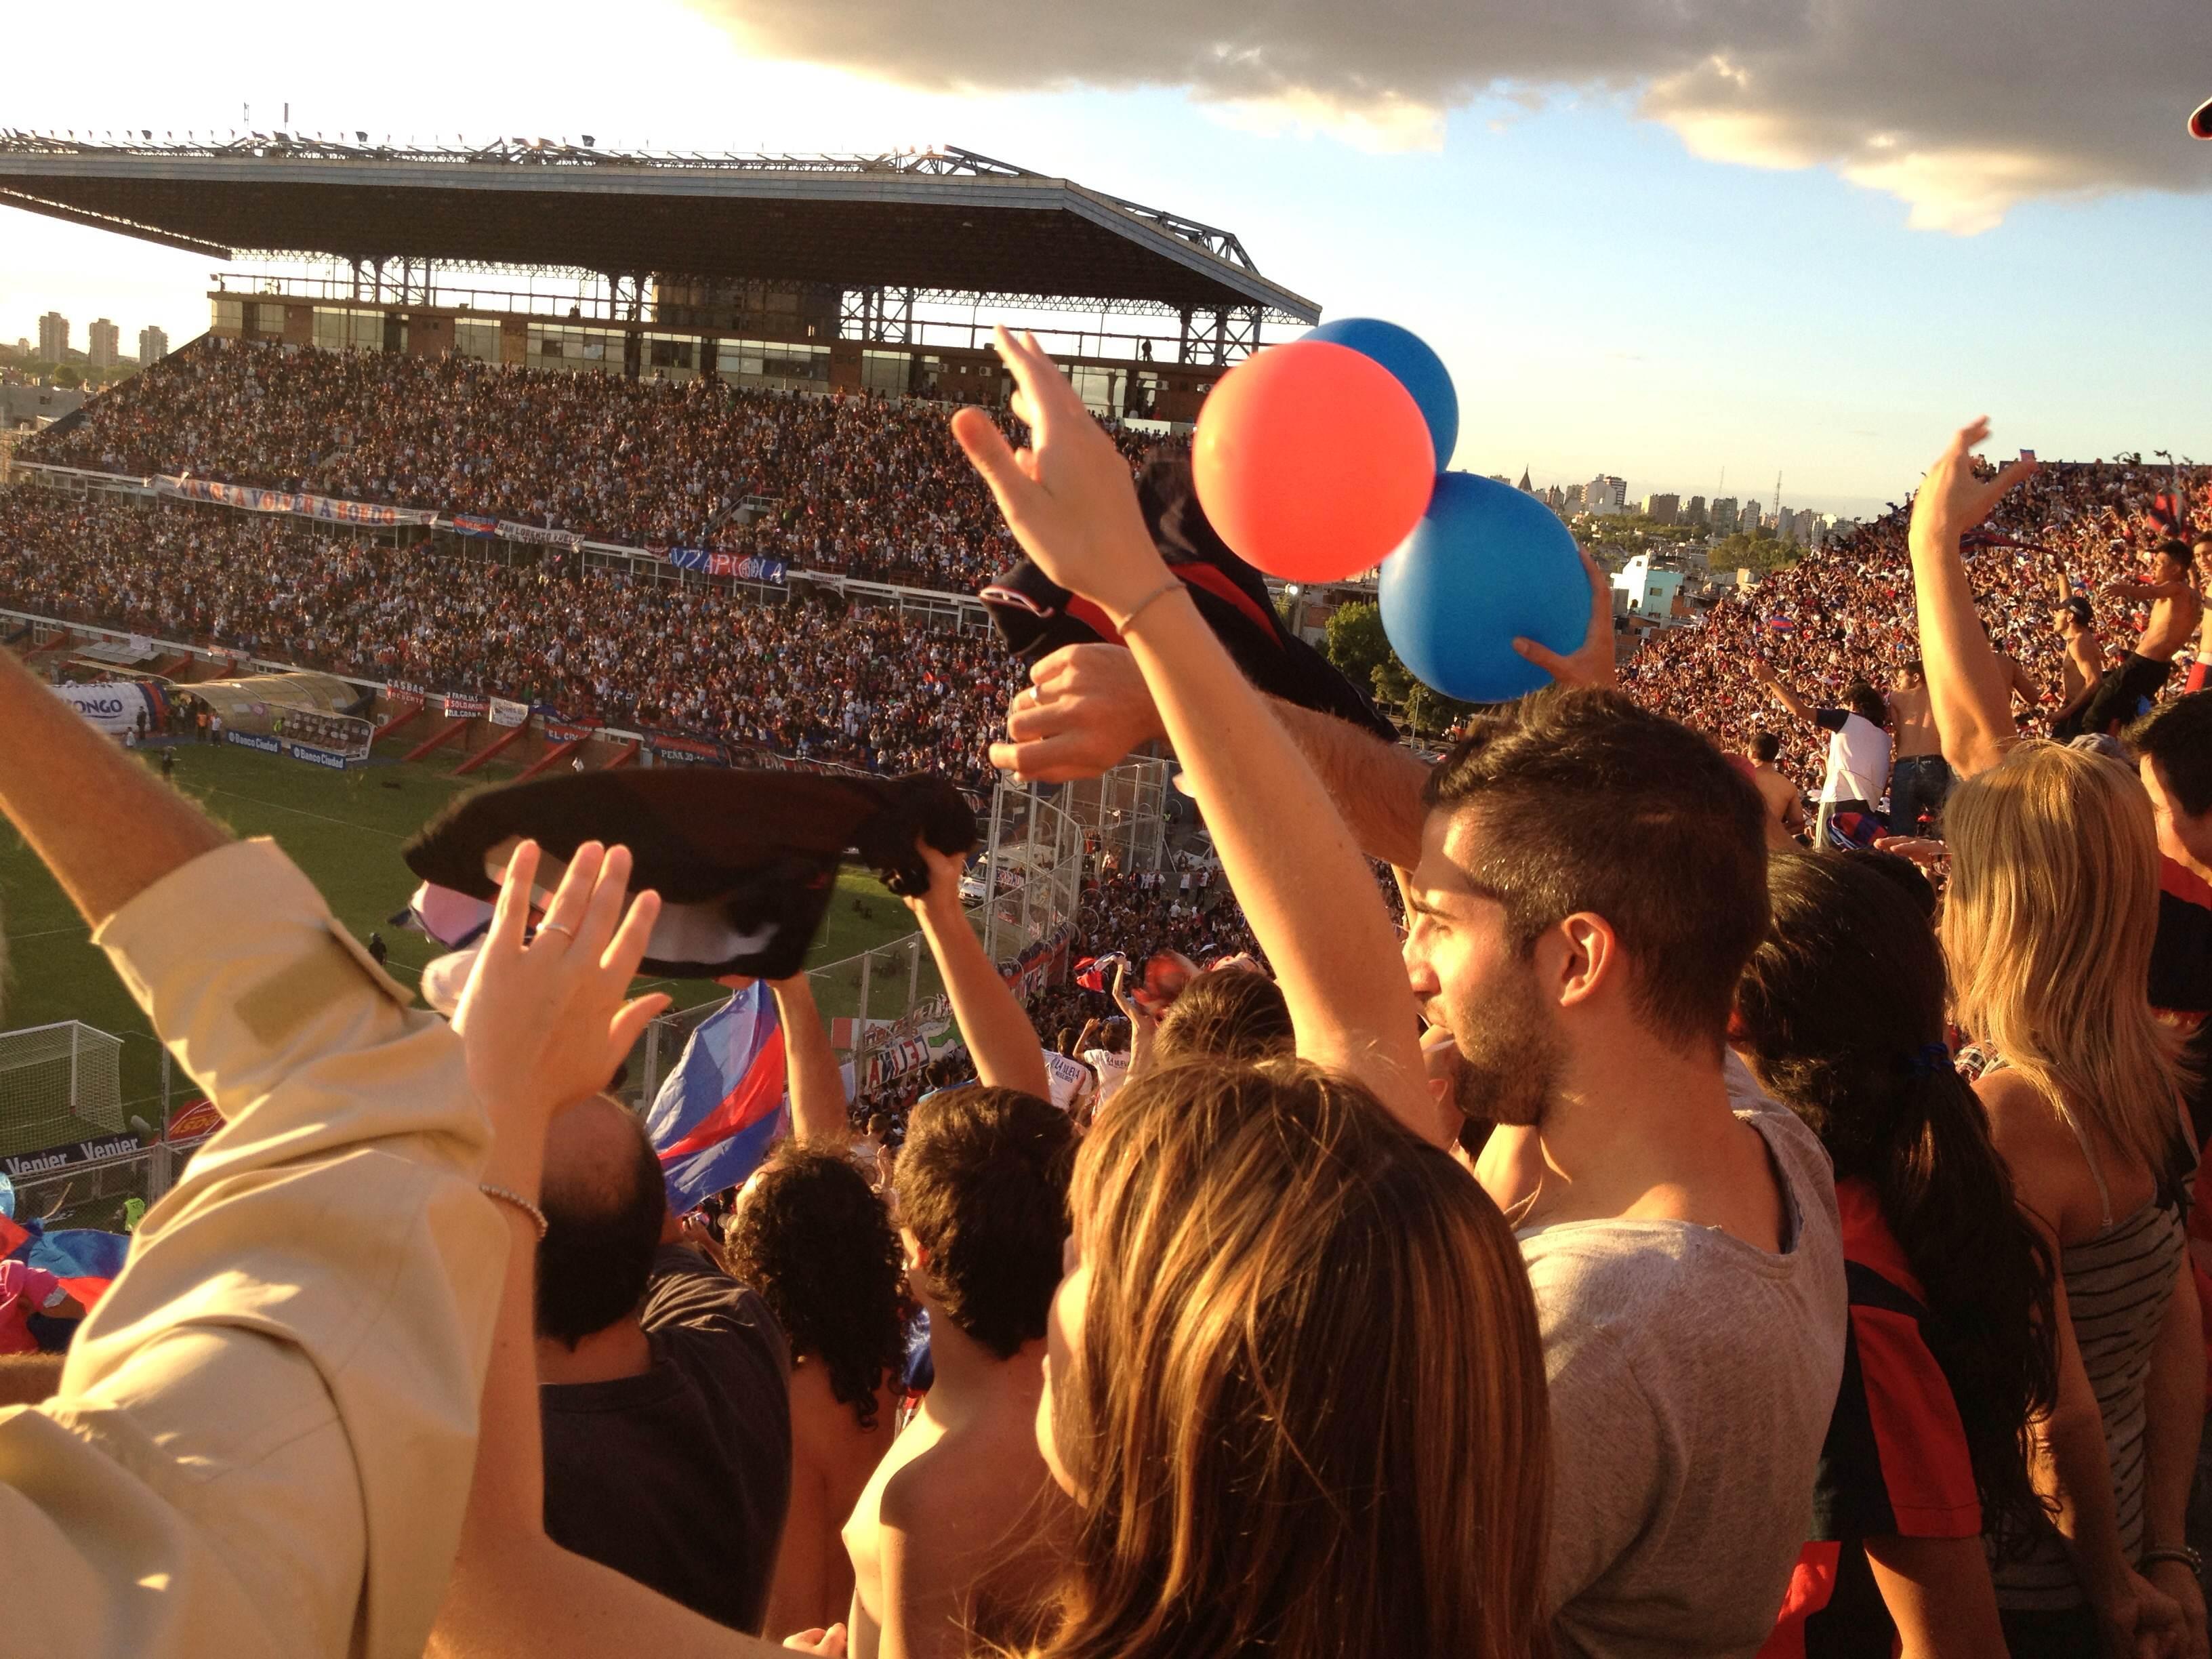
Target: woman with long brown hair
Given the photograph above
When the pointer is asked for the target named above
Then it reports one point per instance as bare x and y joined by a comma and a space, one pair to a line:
2049, 922
1294, 1381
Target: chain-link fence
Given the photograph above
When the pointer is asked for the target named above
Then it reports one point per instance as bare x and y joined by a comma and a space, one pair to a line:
96, 1195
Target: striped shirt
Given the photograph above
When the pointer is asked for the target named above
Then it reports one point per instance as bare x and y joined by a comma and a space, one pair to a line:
2118, 1285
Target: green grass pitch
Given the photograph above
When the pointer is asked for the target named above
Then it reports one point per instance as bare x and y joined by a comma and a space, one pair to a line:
345, 830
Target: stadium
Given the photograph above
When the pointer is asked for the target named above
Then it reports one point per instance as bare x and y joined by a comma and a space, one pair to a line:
799, 289
848, 898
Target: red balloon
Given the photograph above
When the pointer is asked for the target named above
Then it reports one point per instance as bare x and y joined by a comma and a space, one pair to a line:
1313, 461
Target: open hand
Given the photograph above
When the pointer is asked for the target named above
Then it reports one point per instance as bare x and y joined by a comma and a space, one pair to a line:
1085, 710
829, 1642
1920, 849
1068, 496
1952, 500
549, 1022
1591, 667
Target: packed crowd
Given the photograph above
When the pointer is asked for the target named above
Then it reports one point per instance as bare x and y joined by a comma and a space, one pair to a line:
857, 686
864, 487
1845, 1304
1844, 612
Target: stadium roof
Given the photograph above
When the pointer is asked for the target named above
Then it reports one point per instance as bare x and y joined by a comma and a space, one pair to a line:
943, 222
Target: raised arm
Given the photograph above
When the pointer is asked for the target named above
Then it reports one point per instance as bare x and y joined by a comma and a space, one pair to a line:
1088, 708
817, 1086
1968, 687
1763, 671
1303, 885
102, 822
993, 1021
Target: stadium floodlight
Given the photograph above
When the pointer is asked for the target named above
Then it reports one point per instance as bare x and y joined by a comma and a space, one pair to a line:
589, 141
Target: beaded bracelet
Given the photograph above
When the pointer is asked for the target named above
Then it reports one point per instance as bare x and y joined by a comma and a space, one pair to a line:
518, 1202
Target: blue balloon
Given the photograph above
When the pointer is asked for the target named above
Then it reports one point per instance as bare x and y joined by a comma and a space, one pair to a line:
1419, 369
1486, 564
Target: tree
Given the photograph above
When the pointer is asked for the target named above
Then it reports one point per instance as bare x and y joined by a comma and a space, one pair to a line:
1360, 651
1759, 552
1356, 644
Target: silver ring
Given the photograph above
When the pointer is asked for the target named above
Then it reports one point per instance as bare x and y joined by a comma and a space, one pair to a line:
546, 928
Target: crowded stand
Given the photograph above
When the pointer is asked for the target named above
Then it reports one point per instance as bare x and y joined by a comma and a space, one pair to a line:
1844, 612
1656, 1238
853, 685
859, 486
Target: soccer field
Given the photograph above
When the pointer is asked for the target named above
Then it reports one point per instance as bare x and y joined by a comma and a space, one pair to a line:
345, 830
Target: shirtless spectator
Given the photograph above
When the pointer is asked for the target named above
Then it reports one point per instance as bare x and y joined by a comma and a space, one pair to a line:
811, 1234
1786, 801
955, 1542
1858, 747
1919, 776
2176, 608
2081, 667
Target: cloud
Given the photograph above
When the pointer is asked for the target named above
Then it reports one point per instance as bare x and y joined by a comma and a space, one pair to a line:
1961, 109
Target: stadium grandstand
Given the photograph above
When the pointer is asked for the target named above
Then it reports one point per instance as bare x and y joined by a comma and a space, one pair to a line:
880, 273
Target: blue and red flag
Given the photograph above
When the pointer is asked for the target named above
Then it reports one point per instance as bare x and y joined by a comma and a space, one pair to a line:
84, 1258
724, 1105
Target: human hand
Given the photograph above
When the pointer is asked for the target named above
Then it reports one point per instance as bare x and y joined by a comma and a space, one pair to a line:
2179, 1580
830, 1642
547, 1023
1085, 710
1952, 500
1762, 671
1141, 1018
945, 869
1920, 849
2139, 1620
1591, 667
1068, 496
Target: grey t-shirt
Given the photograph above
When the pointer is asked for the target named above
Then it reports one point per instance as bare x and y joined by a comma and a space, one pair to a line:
1692, 1378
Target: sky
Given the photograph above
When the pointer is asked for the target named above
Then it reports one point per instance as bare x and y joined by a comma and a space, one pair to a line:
1695, 244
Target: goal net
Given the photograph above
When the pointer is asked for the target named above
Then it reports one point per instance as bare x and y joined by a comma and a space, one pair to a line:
58, 1083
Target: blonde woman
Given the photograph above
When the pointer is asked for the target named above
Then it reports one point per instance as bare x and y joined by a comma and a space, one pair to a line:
2052, 907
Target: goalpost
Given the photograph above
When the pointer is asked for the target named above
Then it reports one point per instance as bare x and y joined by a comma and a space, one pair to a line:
58, 1082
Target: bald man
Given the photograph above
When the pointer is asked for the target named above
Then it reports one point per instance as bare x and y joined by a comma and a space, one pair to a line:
662, 1382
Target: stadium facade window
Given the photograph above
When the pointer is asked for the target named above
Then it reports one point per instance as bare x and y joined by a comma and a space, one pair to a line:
477, 341
886, 372
673, 357
1099, 388
337, 329
230, 316
577, 350
267, 318
773, 365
